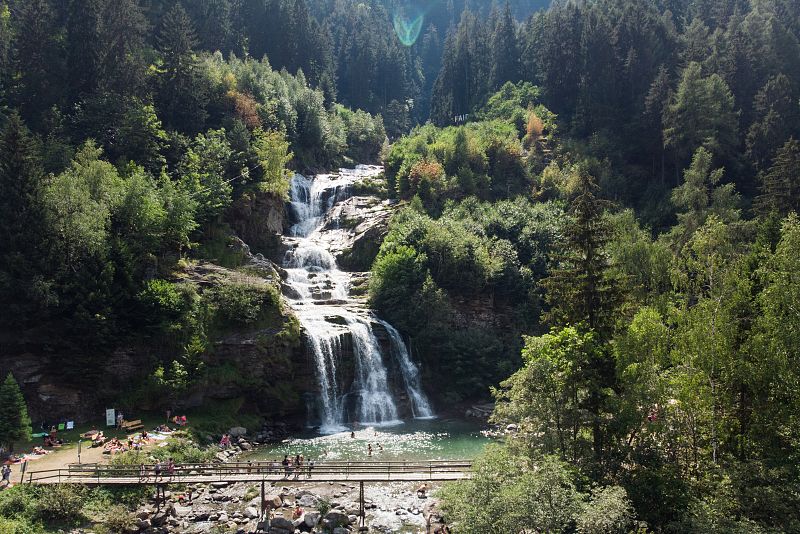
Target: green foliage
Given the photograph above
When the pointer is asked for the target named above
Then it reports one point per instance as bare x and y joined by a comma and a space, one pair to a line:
244, 303
61, 503
273, 154
15, 425
516, 492
483, 159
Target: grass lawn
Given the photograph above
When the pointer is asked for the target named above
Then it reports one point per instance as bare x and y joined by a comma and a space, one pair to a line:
211, 420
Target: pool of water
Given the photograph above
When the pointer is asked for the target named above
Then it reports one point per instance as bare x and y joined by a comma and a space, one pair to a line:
434, 439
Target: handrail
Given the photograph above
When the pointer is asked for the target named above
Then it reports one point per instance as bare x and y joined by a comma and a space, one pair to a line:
220, 471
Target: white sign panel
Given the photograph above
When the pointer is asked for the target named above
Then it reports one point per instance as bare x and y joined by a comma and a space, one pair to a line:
110, 420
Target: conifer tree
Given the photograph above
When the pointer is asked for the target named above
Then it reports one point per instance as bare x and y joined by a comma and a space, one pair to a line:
780, 187
38, 61
15, 425
22, 235
579, 289
505, 53
181, 97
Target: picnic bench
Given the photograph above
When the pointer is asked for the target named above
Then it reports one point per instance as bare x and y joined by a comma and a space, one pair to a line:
131, 426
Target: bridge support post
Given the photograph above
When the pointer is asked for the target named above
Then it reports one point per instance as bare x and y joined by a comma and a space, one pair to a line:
362, 516
263, 497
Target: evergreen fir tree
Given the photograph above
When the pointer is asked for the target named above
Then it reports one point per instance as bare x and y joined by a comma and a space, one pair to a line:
505, 53
579, 289
15, 425
181, 96
780, 189
22, 236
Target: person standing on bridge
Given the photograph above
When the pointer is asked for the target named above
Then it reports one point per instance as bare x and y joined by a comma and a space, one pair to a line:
171, 468
157, 469
6, 475
310, 466
143, 473
286, 466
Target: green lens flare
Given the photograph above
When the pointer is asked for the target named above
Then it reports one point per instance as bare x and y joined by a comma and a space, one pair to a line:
408, 24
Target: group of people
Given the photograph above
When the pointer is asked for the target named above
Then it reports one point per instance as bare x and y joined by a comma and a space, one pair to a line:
295, 465
370, 449
177, 420
159, 470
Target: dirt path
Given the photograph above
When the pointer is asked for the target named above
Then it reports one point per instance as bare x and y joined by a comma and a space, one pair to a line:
62, 457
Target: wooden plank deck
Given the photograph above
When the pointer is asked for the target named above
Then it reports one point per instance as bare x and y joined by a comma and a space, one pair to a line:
195, 479
436, 471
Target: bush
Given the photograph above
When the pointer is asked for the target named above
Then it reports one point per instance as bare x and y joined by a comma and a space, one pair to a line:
119, 519
243, 303
61, 503
18, 526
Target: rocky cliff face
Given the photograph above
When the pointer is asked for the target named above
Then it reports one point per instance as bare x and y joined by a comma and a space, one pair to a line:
264, 366
258, 219
273, 374
358, 226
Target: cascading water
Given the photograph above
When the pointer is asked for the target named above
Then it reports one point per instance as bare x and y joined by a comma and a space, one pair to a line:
319, 293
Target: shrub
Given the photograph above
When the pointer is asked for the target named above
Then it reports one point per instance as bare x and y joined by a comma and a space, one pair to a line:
61, 502
241, 303
119, 519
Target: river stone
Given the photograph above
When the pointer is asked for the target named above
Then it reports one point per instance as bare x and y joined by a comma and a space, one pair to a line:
340, 530
273, 501
311, 519
237, 431
307, 501
251, 512
337, 519
281, 523
220, 484
144, 524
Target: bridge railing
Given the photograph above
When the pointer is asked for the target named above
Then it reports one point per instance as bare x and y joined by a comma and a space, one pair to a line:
223, 471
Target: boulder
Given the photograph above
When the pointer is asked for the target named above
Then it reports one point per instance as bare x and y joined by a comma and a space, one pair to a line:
251, 512
307, 501
237, 432
273, 501
144, 524
311, 519
281, 523
337, 519
340, 530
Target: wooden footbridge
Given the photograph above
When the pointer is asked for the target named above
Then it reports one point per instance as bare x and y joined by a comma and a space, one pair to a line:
365, 471
259, 472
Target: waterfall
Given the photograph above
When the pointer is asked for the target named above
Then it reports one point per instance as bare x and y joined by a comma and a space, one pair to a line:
319, 293
419, 402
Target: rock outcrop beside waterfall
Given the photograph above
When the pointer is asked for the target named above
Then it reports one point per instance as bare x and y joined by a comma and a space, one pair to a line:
263, 367
358, 226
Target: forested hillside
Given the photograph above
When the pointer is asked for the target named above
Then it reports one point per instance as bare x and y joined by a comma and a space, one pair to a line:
633, 196
594, 222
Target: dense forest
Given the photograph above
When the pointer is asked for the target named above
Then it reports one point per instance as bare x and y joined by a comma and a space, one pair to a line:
611, 184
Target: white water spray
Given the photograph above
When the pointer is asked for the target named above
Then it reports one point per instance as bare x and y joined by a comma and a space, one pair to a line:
319, 293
